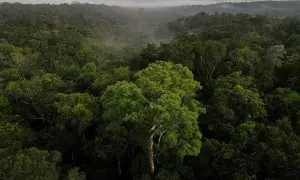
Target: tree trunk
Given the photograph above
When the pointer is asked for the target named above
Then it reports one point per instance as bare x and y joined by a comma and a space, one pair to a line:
159, 139
151, 154
119, 167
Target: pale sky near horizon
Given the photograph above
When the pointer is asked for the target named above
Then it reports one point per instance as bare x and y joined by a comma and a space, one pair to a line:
130, 2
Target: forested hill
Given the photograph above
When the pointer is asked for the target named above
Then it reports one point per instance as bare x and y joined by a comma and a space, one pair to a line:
111, 24
274, 8
66, 30
115, 25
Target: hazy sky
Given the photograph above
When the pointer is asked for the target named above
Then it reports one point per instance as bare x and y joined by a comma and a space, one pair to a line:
131, 2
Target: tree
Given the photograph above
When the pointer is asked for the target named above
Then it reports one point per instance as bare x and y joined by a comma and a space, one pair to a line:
255, 151
32, 99
208, 59
75, 110
236, 99
285, 102
245, 60
5, 55
13, 137
9, 75
5, 108
109, 77
86, 55
275, 55
288, 73
277, 148
87, 76
74, 174
157, 112
30, 164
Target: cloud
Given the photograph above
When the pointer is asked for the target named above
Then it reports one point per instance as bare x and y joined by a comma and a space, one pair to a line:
134, 3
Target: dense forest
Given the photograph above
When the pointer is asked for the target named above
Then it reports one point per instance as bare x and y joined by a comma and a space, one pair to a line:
88, 92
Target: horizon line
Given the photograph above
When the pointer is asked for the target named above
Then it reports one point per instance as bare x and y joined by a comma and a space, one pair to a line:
133, 3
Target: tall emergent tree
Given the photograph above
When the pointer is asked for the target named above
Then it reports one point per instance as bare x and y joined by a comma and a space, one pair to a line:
157, 112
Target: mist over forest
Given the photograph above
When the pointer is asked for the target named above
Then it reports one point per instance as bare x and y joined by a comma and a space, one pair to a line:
149, 90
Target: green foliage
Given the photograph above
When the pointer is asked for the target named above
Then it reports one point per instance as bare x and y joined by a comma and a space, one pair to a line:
32, 99
164, 175
75, 109
255, 148
236, 100
271, 151
109, 77
163, 77
159, 104
9, 75
73, 174
30, 164
275, 55
11, 136
86, 55
208, 58
245, 60
5, 109
87, 76
80, 79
